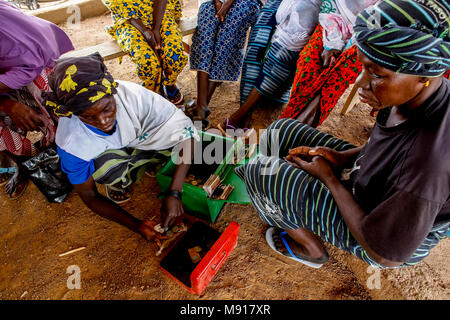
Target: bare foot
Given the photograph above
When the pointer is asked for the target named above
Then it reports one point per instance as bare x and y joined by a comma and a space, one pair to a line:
310, 252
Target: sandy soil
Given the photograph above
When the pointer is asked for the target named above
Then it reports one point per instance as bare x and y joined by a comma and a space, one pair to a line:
118, 264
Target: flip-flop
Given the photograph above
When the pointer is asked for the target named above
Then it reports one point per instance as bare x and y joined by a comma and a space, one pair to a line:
308, 261
123, 191
25, 182
203, 117
171, 95
189, 110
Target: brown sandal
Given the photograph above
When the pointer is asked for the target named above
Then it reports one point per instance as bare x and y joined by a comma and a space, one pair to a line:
118, 195
21, 186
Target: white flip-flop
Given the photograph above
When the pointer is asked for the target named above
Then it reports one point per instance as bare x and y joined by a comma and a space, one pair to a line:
310, 262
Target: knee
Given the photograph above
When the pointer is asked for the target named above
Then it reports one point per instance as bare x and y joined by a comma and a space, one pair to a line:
148, 64
273, 139
276, 127
271, 135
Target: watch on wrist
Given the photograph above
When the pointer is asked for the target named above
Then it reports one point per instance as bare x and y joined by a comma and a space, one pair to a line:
173, 193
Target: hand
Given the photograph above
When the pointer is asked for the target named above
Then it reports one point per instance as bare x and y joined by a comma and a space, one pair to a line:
335, 158
147, 230
301, 152
317, 167
24, 117
153, 38
222, 8
217, 5
171, 209
328, 56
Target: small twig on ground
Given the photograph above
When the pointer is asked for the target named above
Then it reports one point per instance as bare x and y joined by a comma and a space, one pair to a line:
71, 251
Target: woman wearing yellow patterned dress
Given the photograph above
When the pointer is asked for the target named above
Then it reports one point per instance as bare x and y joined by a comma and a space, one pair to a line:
148, 32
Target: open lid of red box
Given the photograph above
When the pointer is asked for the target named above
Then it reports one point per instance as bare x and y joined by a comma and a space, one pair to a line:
215, 258
196, 278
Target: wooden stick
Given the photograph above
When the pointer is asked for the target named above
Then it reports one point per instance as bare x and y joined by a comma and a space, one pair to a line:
71, 251
352, 100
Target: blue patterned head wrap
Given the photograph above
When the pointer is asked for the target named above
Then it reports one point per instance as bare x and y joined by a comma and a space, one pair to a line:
406, 36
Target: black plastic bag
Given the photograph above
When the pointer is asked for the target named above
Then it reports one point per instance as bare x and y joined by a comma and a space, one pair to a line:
45, 172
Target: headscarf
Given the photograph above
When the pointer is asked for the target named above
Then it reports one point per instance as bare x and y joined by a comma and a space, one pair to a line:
406, 36
77, 84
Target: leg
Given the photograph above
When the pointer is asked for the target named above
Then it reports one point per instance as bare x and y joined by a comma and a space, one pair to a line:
15, 183
203, 42
304, 243
212, 86
309, 76
344, 74
259, 40
290, 199
277, 75
285, 134
147, 63
274, 81
237, 118
173, 56
14, 148
311, 113
202, 110
227, 59
205, 91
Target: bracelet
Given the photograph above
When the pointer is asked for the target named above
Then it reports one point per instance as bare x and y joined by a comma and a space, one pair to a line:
173, 193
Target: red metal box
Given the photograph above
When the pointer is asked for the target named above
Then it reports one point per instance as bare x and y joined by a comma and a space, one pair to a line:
212, 247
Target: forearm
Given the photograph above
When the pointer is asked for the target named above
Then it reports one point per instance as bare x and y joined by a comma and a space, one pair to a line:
353, 216
4, 88
111, 211
6, 104
183, 166
138, 24
159, 7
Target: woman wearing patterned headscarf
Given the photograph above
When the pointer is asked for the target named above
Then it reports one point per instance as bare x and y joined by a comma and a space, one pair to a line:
387, 202
110, 132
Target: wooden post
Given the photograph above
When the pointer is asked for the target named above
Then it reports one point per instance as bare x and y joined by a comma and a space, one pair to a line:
352, 99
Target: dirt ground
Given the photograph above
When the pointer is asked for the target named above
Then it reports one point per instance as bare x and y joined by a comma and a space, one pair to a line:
118, 264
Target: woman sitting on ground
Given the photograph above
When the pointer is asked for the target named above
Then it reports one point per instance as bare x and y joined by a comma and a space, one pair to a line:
148, 32
327, 65
387, 202
110, 132
282, 29
28, 48
217, 49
